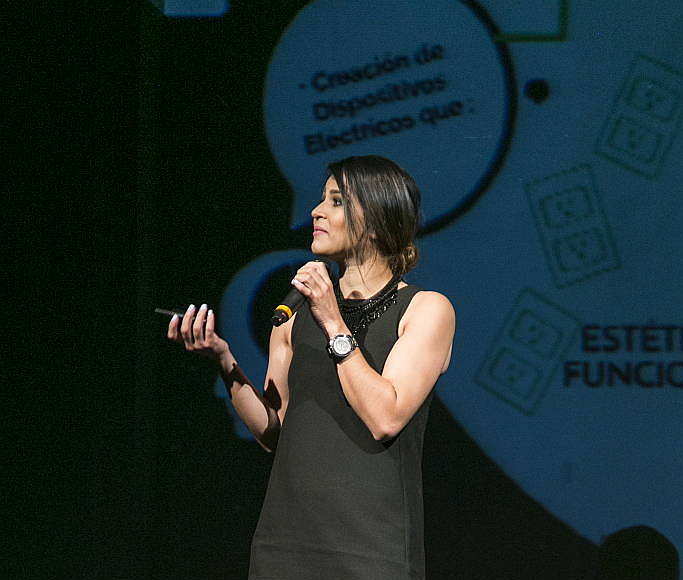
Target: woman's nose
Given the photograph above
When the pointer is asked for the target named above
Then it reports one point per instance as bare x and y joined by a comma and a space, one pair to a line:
317, 211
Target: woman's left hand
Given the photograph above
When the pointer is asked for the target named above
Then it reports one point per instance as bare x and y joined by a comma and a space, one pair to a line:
313, 281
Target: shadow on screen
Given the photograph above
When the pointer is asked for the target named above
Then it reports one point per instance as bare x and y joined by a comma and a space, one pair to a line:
637, 553
480, 525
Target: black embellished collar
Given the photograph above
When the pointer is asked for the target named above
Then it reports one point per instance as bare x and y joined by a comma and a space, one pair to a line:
359, 313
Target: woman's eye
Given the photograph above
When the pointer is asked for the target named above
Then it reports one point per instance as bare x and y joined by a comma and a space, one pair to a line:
336, 201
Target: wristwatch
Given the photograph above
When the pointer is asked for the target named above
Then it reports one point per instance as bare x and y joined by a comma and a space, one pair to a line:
341, 345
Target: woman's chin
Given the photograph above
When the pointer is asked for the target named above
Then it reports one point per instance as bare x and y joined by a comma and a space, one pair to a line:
320, 250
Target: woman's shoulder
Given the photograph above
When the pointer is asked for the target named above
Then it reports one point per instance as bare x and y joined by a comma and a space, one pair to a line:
431, 299
428, 305
425, 296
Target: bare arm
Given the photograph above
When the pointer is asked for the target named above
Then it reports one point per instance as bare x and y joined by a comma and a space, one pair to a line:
386, 402
262, 413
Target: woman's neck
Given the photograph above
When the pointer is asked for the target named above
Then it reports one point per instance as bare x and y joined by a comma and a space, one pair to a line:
364, 280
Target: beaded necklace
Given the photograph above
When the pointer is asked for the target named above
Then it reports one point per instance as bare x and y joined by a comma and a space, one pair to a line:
358, 314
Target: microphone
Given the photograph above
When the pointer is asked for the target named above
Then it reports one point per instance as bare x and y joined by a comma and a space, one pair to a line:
294, 299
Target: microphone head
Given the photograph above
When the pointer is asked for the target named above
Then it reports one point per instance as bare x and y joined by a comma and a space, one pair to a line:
279, 317
283, 312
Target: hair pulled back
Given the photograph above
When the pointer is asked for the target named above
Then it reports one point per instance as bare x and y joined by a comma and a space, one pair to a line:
390, 204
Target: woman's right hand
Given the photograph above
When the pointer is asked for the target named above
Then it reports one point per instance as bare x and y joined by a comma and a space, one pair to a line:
197, 333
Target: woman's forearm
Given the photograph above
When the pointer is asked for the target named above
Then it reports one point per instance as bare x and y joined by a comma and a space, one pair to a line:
371, 396
258, 415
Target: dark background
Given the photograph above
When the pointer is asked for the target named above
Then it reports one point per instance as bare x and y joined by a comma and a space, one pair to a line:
148, 183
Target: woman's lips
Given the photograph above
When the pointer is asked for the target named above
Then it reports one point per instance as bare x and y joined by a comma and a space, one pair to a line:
317, 231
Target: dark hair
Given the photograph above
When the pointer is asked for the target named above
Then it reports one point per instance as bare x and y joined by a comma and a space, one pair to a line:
390, 201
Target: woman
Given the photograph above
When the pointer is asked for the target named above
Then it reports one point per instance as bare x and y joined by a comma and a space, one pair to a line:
352, 372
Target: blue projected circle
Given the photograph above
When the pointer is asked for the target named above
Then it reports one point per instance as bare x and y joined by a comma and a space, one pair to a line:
567, 367
422, 82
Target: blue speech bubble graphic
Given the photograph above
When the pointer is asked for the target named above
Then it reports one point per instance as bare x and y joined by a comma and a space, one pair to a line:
424, 83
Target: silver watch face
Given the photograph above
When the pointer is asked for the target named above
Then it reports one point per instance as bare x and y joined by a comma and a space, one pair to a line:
341, 345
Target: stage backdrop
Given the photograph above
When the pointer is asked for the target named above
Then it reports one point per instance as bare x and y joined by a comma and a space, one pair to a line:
545, 137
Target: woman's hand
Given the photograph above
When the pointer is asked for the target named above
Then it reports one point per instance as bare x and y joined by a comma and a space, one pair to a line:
313, 281
197, 333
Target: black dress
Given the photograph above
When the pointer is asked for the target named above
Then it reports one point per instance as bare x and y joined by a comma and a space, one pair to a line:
340, 505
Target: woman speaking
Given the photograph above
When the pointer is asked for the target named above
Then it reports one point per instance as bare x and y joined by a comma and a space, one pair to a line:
347, 391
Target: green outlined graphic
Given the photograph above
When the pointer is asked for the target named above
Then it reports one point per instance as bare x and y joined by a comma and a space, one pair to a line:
526, 351
559, 34
573, 228
192, 8
645, 118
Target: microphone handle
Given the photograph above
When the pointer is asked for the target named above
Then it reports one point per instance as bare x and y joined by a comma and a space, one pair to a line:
291, 303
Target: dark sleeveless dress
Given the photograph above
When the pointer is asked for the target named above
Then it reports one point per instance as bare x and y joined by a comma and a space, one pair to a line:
340, 505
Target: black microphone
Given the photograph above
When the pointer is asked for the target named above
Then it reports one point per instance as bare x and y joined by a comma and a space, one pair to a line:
291, 303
